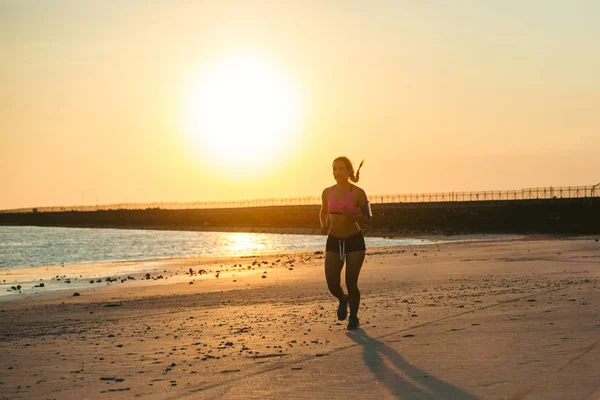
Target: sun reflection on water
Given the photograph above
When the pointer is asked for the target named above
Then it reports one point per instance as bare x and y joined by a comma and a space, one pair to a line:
246, 243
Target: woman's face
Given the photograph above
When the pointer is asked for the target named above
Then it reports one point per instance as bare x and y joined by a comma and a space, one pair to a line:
340, 172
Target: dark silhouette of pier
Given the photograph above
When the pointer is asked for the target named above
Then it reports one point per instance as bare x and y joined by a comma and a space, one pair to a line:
552, 215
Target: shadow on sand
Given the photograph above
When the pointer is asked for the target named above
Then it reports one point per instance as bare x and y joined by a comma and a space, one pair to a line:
404, 380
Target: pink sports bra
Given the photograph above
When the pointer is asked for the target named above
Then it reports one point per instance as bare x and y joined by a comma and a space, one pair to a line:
336, 206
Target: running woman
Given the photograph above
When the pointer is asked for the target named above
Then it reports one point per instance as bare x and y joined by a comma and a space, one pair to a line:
343, 207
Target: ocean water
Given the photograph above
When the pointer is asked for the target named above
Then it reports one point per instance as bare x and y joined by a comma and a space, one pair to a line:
33, 246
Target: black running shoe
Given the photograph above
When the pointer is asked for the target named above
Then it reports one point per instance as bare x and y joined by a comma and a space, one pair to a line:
353, 323
343, 309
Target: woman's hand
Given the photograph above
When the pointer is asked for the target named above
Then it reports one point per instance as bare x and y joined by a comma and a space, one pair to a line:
324, 230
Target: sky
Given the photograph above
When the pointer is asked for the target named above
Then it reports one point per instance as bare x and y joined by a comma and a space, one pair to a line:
437, 96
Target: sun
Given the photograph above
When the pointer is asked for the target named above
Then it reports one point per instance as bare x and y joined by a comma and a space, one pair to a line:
242, 111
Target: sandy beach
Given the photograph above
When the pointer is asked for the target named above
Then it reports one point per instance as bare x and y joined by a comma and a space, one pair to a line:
512, 319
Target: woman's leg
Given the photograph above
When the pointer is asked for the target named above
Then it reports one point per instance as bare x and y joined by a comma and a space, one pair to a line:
333, 270
354, 262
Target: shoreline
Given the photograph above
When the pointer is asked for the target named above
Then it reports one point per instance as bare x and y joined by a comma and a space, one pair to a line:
396, 241
79, 277
435, 238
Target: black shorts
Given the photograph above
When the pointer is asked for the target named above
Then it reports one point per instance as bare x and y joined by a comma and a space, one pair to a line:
346, 245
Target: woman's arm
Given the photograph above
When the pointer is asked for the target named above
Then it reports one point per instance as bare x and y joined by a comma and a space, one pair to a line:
364, 217
324, 213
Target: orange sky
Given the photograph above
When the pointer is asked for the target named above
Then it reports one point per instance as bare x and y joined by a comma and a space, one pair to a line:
436, 97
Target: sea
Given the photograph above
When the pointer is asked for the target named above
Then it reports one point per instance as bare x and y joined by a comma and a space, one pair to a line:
25, 246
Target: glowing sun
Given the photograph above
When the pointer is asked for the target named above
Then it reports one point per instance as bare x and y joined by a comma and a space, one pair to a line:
242, 111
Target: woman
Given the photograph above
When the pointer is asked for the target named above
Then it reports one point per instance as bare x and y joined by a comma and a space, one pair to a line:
343, 207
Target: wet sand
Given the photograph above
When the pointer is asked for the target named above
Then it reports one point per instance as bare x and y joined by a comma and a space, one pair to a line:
496, 320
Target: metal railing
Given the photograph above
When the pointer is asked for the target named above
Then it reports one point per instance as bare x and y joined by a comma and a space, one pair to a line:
569, 192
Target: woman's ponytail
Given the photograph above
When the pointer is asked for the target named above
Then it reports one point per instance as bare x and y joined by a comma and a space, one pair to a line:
355, 179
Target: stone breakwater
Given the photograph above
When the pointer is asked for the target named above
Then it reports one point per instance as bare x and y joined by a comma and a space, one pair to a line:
572, 216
